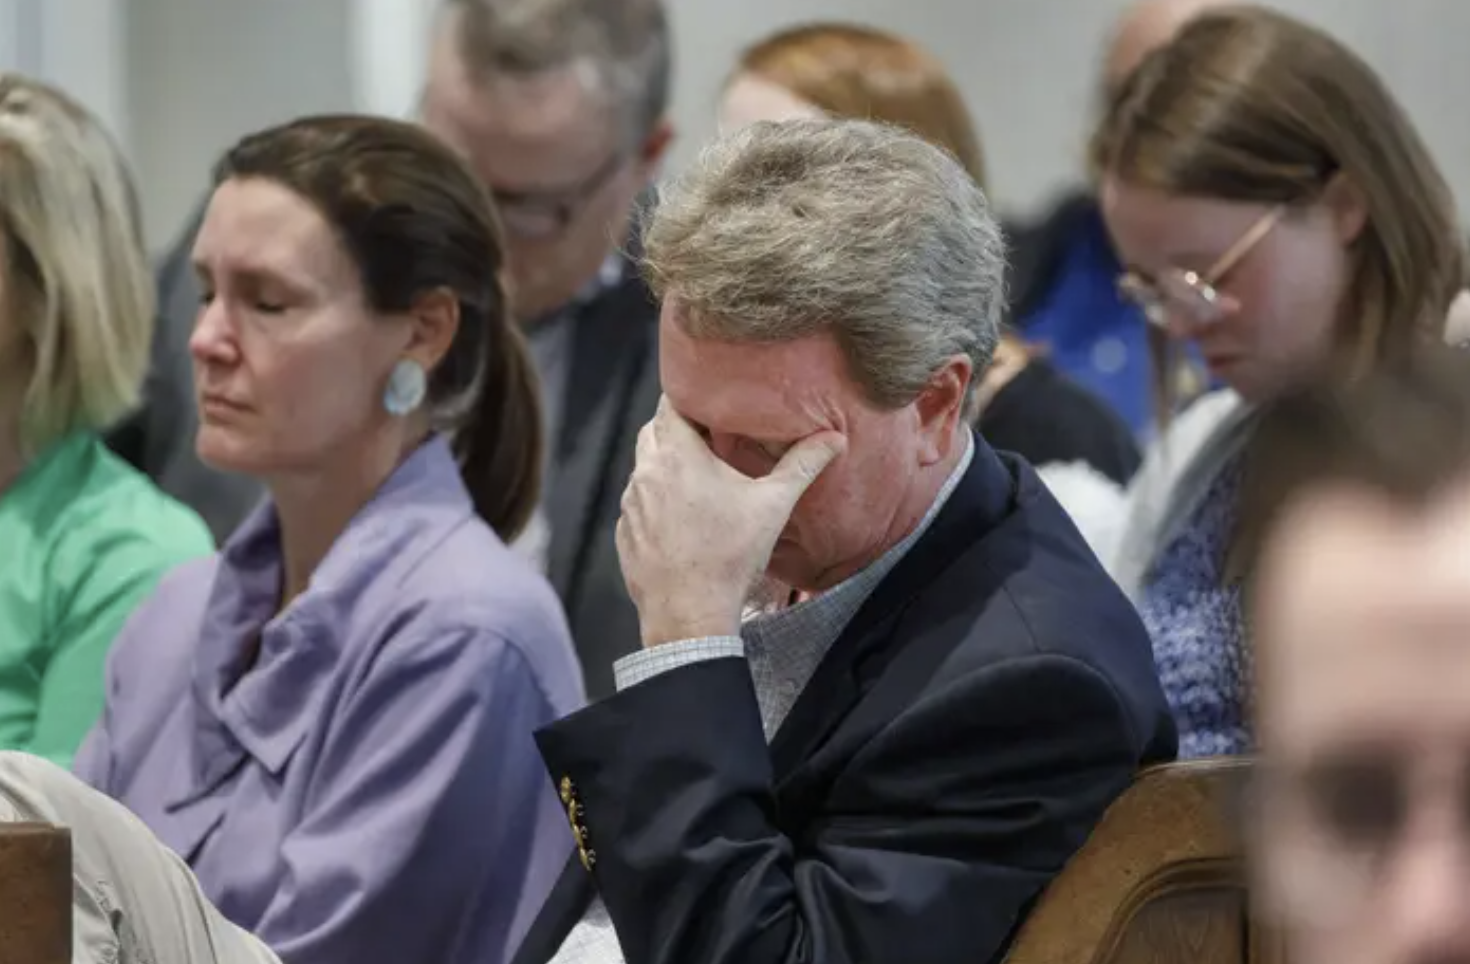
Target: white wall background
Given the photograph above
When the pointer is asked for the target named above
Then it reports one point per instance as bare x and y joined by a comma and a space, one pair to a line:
38, 37
180, 79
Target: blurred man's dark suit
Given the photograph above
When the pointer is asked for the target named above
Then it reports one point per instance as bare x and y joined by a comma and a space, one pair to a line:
612, 390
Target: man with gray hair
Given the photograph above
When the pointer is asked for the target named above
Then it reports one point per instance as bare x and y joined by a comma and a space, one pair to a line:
885, 690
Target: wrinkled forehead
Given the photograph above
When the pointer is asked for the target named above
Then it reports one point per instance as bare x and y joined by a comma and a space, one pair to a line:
1153, 229
1362, 628
259, 227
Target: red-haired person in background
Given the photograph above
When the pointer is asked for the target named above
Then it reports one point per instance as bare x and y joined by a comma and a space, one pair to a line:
1024, 404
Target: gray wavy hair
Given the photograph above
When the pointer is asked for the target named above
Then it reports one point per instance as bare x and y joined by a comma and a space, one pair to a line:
786, 230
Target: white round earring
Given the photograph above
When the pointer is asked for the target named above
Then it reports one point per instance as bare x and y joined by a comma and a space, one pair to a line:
407, 386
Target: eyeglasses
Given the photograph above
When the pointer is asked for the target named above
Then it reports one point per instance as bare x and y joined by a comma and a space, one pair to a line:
1190, 294
543, 215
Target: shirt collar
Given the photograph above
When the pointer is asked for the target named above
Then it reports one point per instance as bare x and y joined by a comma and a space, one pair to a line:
56, 466
265, 707
817, 622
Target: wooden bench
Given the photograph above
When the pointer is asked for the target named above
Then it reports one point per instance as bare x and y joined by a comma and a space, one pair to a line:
35, 894
1160, 881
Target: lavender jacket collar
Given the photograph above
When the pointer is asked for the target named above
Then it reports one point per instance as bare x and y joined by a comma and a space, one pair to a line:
354, 778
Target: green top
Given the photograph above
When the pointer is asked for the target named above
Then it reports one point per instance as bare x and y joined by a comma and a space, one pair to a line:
84, 538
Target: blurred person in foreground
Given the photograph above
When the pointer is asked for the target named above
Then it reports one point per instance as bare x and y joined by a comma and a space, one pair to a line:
84, 537
133, 901
1275, 209
886, 690
331, 718
1022, 403
1361, 604
1064, 269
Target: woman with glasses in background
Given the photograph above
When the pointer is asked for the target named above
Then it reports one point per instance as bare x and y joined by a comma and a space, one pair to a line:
1275, 206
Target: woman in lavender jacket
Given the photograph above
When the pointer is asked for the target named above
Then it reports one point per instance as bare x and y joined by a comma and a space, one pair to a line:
331, 719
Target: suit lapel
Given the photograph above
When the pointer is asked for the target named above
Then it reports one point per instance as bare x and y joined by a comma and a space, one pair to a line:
610, 344
868, 644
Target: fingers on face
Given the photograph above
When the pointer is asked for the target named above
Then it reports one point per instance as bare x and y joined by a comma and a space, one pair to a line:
626, 501
671, 428
647, 441
662, 417
809, 458
623, 541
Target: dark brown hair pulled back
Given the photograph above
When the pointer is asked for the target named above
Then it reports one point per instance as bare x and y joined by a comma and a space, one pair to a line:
414, 220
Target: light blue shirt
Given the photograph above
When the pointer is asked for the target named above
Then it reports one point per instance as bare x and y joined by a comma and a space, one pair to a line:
354, 779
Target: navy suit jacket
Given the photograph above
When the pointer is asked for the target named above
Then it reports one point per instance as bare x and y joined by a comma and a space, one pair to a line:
954, 749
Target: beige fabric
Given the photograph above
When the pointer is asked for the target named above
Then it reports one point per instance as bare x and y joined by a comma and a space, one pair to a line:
133, 900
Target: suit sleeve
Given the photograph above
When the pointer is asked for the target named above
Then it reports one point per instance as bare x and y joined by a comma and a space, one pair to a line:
927, 848
430, 815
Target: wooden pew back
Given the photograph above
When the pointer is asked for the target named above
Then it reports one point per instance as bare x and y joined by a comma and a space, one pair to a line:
35, 894
1160, 881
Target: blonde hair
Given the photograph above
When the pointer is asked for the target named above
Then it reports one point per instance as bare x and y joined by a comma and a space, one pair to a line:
864, 73
77, 283
781, 231
1246, 104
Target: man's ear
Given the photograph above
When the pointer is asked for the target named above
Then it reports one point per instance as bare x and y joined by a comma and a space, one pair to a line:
941, 405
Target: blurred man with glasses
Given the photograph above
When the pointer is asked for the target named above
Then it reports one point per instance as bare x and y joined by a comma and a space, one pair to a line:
560, 107
1361, 828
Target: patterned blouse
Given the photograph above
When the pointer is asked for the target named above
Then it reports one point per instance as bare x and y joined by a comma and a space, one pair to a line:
1198, 629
